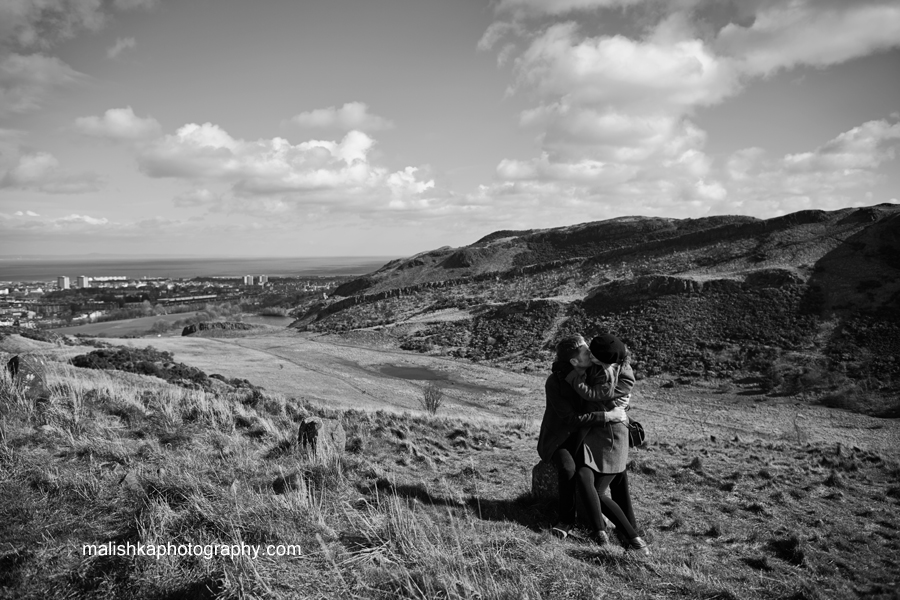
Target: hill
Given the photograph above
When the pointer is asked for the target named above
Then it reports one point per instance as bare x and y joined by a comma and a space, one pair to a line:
809, 301
740, 496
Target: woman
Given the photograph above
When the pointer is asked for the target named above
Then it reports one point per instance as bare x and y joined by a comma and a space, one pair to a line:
589, 449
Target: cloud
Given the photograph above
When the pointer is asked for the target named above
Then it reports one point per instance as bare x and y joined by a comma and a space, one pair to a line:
40, 171
831, 176
784, 35
352, 115
524, 8
207, 152
120, 45
118, 124
613, 120
614, 115
27, 213
195, 197
81, 220
26, 81
497, 31
615, 70
278, 178
41, 24
861, 148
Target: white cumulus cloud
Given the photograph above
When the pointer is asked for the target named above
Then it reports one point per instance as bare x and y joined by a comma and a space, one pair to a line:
618, 71
41, 171
118, 124
81, 219
614, 115
833, 175
352, 115
277, 177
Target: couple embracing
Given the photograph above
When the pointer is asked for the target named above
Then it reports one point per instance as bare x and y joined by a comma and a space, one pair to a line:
584, 434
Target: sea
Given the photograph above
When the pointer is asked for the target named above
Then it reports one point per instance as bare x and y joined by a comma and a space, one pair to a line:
34, 269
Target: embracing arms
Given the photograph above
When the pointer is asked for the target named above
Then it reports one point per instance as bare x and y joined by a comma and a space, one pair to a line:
567, 415
603, 391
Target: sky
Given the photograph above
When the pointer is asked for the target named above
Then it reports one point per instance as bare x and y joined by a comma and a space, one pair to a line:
390, 127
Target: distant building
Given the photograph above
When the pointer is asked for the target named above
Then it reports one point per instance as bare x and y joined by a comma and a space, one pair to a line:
62, 283
261, 279
248, 279
84, 282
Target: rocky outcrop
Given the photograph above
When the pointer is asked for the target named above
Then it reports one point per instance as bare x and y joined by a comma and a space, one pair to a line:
321, 436
353, 287
652, 286
225, 326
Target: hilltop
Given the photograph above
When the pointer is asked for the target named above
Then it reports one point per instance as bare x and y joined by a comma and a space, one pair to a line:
808, 301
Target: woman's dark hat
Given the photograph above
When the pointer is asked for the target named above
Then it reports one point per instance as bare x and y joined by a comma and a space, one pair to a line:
608, 349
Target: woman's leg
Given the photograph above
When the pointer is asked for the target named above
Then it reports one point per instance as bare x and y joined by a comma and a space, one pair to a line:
591, 498
611, 509
565, 472
618, 489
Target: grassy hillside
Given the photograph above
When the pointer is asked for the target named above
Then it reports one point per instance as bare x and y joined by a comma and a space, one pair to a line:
739, 496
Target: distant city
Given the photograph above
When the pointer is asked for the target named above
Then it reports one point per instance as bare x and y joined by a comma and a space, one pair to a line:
87, 299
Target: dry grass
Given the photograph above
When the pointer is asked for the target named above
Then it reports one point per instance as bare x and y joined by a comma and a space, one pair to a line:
418, 507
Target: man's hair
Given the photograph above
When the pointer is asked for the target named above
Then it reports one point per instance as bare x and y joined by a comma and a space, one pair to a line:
567, 348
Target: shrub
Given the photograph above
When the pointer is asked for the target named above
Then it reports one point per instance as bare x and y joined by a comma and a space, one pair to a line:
432, 398
144, 361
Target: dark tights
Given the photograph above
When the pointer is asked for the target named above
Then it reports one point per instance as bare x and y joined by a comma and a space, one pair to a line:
617, 508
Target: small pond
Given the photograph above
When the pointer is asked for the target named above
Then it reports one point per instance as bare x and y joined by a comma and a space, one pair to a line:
411, 372
274, 320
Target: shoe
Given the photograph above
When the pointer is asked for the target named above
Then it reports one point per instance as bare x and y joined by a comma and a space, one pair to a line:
601, 538
639, 545
562, 530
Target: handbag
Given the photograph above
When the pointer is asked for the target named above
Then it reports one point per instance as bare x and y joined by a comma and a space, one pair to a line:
636, 435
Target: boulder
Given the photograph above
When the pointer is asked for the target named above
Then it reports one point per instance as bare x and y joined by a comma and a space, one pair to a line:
321, 436
544, 486
31, 378
544, 482
13, 366
286, 483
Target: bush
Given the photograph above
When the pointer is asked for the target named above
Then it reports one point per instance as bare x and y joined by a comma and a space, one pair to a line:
144, 361
432, 398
